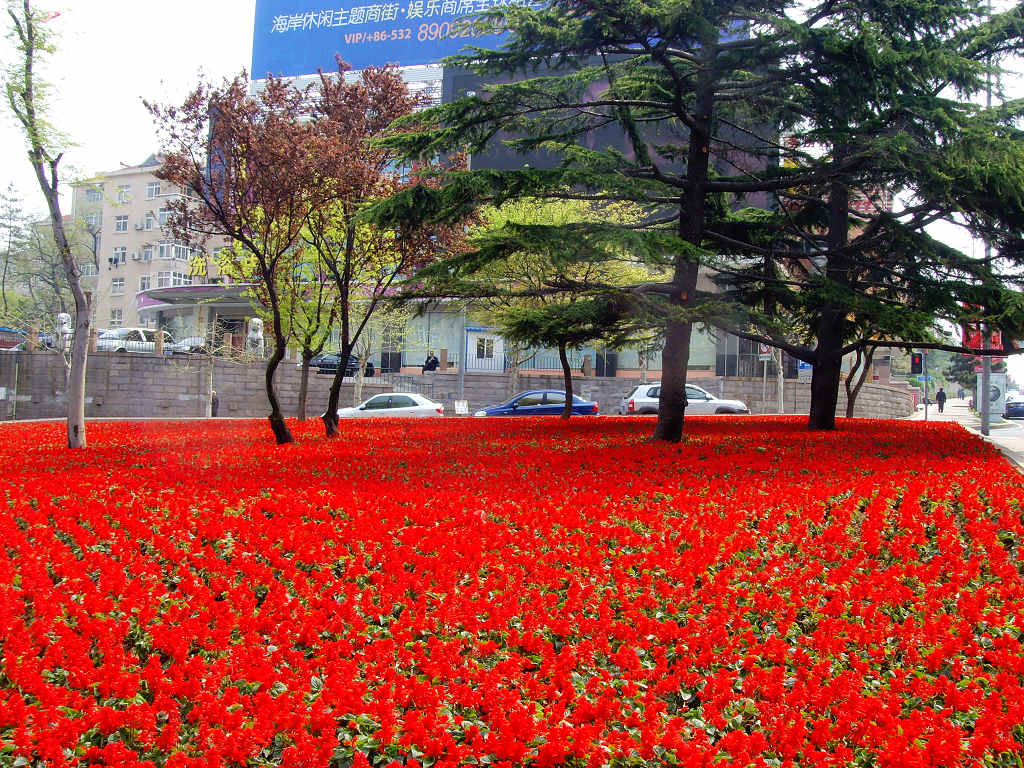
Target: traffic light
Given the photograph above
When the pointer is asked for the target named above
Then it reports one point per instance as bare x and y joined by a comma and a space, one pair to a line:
916, 362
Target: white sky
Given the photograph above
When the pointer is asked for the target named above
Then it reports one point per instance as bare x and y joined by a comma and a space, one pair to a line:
111, 55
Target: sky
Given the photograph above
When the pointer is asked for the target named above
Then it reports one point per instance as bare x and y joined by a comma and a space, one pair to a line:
111, 55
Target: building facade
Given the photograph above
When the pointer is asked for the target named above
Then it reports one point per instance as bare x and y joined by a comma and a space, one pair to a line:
142, 276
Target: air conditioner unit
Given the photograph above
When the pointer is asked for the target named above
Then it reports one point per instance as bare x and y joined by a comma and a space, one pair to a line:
138, 227
135, 256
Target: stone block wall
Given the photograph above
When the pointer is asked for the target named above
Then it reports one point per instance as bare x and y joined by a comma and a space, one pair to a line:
154, 386
875, 401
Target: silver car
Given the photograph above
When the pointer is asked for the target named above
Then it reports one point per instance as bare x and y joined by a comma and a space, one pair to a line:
392, 404
644, 399
131, 340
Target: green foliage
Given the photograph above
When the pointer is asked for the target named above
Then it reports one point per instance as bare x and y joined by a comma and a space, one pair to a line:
685, 109
29, 96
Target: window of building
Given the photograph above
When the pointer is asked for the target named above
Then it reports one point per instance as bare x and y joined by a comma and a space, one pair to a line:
120, 223
180, 278
740, 357
152, 190
94, 194
150, 220
144, 282
163, 279
484, 349
116, 318
89, 269
119, 255
117, 286
92, 220
165, 250
124, 193
147, 253
165, 216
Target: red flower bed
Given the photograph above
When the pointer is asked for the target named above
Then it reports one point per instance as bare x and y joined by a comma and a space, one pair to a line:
510, 593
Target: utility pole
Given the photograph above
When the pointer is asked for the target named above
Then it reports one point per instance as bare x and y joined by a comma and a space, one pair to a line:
986, 378
462, 357
986, 363
780, 381
924, 369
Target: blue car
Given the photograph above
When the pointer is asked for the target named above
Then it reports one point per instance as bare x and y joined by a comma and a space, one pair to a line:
540, 402
1014, 407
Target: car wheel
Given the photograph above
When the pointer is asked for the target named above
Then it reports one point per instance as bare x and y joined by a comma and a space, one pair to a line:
122, 351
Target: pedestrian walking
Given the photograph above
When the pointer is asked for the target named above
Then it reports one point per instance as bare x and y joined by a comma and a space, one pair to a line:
940, 399
214, 403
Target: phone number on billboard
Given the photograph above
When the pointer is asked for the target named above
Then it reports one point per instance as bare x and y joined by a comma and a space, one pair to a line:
434, 31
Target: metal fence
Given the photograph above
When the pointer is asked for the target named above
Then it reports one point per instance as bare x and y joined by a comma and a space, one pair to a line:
406, 382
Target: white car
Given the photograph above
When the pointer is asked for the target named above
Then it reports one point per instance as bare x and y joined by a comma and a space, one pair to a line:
131, 340
644, 399
391, 404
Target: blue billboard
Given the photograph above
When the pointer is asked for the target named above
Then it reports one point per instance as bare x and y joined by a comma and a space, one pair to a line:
297, 37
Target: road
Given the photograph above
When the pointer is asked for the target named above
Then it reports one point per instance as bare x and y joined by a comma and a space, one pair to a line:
1005, 434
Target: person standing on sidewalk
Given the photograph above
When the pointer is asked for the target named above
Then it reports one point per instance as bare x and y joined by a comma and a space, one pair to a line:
940, 399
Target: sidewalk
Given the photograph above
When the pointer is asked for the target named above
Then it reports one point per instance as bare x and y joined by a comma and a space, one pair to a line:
1007, 436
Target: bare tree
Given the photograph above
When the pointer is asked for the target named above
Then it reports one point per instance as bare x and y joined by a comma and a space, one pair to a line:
26, 96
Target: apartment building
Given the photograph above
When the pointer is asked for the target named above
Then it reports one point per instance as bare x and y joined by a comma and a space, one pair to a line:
143, 276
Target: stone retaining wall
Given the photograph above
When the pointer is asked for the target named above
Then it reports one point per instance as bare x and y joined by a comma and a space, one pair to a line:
152, 386
875, 401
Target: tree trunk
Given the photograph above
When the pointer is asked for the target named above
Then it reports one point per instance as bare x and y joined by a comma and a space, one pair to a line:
277, 422
864, 359
825, 380
672, 401
342, 280
513, 370
676, 355
357, 385
829, 328
80, 342
23, 98
330, 416
567, 380
300, 408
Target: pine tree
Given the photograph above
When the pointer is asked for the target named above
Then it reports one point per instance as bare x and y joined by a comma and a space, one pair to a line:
886, 85
671, 106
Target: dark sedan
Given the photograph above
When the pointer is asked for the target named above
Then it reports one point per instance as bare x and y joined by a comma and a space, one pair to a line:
328, 363
540, 402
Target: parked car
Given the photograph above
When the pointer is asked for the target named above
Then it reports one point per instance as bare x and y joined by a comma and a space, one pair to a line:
392, 404
644, 399
131, 340
540, 402
191, 345
1013, 406
43, 343
327, 362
